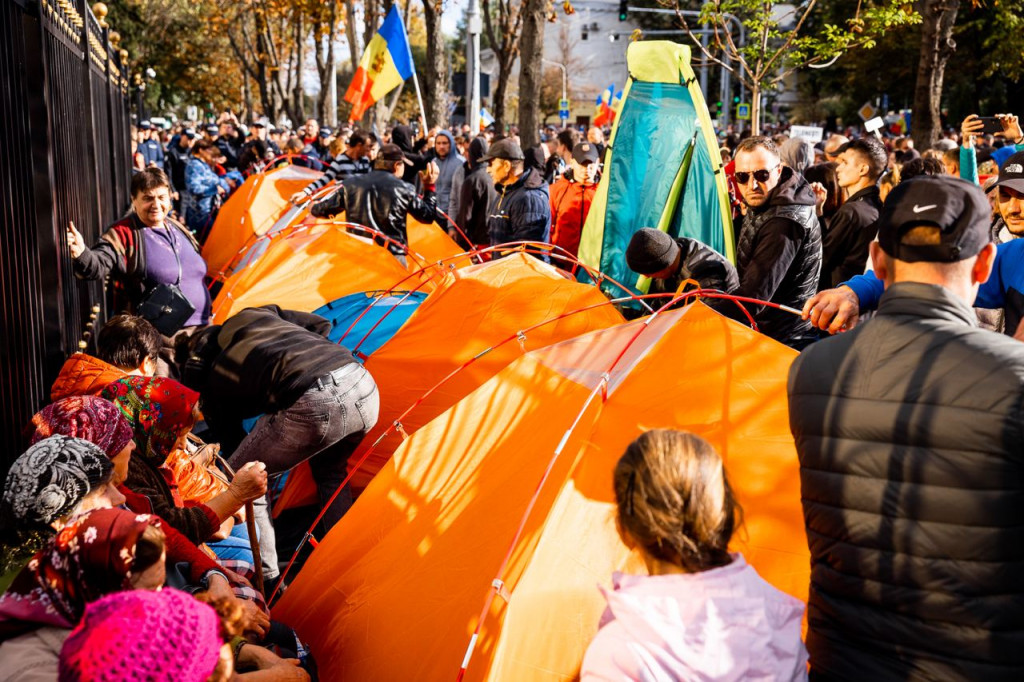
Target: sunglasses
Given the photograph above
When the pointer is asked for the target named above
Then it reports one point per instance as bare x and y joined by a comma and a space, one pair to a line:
762, 175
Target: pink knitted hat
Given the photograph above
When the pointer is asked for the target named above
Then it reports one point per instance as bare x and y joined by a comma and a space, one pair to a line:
164, 636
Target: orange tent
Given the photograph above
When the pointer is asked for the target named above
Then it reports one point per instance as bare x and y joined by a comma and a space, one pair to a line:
395, 591
306, 267
254, 209
471, 310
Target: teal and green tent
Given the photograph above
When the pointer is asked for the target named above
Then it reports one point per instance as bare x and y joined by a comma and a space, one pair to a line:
663, 169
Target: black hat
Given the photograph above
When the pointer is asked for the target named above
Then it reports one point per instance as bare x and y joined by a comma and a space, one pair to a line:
584, 153
650, 251
145, 125
392, 152
1011, 175
189, 133
212, 129
325, 132
957, 207
504, 149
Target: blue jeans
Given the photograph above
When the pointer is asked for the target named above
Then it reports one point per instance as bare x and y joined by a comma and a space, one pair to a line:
235, 546
325, 425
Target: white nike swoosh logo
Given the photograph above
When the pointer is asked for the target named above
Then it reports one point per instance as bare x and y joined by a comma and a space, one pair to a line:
921, 209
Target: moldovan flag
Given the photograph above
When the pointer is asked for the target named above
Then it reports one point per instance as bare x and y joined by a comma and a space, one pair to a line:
386, 63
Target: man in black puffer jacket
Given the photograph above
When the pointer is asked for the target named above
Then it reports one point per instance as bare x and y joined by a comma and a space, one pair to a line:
908, 430
778, 256
382, 200
521, 210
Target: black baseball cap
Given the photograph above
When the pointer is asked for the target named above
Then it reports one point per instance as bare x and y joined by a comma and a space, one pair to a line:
584, 153
1011, 175
145, 125
212, 129
392, 152
650, 251
504, 149
957, 207
189, 133
325, 132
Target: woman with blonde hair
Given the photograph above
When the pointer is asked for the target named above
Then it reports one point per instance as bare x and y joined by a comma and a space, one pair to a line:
701, 612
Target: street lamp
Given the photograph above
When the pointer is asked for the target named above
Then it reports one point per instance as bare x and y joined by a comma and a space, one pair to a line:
565, 85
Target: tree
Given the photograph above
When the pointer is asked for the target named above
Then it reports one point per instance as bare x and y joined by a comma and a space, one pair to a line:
535, 14
435, 76
937, 47
503, 23
775, 46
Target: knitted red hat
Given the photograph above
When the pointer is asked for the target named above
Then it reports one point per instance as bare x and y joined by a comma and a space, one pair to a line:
143, 635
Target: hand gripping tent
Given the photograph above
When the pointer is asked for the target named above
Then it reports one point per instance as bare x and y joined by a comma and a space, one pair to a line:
663, 168
492, 524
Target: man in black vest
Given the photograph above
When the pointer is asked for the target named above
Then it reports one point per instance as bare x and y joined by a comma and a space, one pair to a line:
908, 430
778, 256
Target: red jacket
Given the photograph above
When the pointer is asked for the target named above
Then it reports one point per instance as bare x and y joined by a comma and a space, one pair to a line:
570, 203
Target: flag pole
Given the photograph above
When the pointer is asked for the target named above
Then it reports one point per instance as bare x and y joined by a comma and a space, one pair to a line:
419, 98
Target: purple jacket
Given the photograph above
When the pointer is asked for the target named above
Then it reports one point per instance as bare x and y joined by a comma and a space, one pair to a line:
724, 624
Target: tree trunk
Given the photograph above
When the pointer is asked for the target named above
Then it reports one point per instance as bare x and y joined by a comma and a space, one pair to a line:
531, 71
300, 60
755, 108
937, 46
355, 46
435, 81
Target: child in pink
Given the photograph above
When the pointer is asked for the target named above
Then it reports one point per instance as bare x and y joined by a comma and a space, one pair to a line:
701, 613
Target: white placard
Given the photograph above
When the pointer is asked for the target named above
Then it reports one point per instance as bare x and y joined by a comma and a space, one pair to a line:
874, 124
812, 134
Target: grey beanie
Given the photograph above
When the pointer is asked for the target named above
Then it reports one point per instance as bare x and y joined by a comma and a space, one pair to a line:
650, 251
52, 477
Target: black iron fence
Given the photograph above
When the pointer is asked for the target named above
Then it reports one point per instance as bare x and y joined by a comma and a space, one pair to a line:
64, 156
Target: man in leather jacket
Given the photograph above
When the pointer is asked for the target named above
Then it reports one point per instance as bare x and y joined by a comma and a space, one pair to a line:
382, 200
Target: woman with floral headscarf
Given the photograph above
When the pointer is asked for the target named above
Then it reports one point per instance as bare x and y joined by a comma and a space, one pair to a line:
100, 422
100, 552
161, 412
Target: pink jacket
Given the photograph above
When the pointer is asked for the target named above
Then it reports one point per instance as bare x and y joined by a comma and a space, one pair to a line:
723, 624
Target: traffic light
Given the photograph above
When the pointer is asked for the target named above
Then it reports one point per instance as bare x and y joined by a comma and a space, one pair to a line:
736, 99
623, 10
718, 105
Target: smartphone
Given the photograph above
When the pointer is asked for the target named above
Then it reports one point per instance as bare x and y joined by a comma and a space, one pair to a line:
990, 125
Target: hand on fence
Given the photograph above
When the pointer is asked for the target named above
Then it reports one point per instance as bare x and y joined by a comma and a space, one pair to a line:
75, 241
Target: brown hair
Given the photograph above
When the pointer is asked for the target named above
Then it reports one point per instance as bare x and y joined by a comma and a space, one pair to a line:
125, 341
752, 143
147, 179
674, 499
149, 549
202, 145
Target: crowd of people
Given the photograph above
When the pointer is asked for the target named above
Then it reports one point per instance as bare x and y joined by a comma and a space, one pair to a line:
139, 511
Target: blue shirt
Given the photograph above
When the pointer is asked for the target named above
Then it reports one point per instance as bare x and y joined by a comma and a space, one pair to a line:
1004, 288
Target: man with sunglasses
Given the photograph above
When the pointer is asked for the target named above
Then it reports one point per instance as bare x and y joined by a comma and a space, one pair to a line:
778, 255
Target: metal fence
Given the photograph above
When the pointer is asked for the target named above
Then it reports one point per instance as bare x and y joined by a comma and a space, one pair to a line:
64, 156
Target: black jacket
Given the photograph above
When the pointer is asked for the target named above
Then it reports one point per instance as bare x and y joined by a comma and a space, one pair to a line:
778, 258
851, 229
379, 200
710, 270
909, 433
402, 136
177, 160
260, 361
520, 211
476, 196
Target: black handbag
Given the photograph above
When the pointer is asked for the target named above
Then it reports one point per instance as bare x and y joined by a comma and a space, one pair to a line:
165, 306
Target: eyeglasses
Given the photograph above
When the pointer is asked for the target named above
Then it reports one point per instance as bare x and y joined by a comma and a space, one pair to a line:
762, 175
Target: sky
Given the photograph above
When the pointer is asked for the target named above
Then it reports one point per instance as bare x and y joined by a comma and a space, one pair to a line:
451, 14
